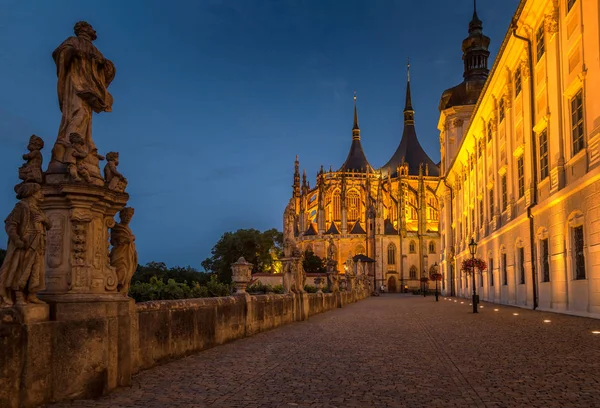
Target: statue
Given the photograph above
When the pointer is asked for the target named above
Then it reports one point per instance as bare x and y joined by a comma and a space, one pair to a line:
330, 249
83, 78
114, 179
123, 255
23, 270
31, 171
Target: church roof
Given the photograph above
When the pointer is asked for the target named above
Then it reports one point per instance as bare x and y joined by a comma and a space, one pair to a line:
311, 230
333, 229
409, 150
356, 160
362, 258
388, 228
357, 228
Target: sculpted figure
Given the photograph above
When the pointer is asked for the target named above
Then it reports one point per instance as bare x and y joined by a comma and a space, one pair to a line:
114, 179
74, 157
31, 171
22, 273
83, 78
123, 255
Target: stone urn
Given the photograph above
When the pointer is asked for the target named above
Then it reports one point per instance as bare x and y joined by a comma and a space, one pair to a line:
319, 283
241, 275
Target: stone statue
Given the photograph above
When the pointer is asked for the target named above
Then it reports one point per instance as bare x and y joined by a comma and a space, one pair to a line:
31, 171
123, 255
83, 78
114, 179
22, 273
330, 249
75, 156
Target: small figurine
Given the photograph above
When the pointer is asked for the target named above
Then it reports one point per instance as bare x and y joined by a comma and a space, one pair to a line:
114, 179
75, 155
123, 256
31, 171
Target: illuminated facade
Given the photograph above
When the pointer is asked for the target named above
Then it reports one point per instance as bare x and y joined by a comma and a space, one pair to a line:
520, 170
390, 214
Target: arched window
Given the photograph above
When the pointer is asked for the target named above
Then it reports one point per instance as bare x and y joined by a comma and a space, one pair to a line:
353, 205
432, 247
412, 247
391, 254
413, 272
336, 207
360, 250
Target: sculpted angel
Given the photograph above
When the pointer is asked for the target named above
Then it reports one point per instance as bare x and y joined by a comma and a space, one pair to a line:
123, 255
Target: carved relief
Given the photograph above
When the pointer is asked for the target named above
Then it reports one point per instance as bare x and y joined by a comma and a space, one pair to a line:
79, 275
525, 68
551, 22
54, 245
458, 122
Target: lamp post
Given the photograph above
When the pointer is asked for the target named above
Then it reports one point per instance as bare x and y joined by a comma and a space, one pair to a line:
436, 282
473, 250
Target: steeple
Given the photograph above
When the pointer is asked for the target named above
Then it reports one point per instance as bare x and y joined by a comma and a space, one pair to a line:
355, 128
296, 185
475, 50
409, 113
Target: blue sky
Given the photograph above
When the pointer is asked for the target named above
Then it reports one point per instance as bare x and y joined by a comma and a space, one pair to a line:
214, 98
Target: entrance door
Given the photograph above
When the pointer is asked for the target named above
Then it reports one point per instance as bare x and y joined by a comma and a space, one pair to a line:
391, 286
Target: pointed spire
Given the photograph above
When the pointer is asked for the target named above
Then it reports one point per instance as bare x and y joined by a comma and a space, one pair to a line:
355, 128
476, 23
296, 185
409, 113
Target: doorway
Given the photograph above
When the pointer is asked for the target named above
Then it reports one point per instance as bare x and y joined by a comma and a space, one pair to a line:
391, 284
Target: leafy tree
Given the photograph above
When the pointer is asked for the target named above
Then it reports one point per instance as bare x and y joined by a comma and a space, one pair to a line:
261, 249
2, 255
313, 263
160, 271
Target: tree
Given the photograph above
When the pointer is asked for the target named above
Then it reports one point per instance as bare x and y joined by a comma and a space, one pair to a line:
313, 263
2, 255
261, 249
162, 272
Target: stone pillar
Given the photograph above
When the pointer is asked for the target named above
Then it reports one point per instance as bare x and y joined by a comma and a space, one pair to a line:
241, 275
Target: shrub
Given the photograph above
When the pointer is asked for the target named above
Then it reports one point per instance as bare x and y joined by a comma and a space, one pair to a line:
157, 289
310, 289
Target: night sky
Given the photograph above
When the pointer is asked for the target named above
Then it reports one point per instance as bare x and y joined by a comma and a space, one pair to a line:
214, 98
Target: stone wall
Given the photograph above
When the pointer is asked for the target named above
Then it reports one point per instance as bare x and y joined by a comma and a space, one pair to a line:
85, 349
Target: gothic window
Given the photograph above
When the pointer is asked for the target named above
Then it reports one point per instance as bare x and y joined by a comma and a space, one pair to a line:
501, 110
473, 220
359, 250
521, 176
504, 193
517, 82
491, 271
391, 254
353, 205
491, 201
489, 130
545, 260
570, 4
504, 270
543, 154
411, 247
413, 272
578, 255
522, 265
336, 207
432, 247
577, 121
539, 41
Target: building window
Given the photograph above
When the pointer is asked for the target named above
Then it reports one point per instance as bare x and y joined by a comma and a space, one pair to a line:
517, 82
413, 272
473, 220
432, 247
411, 247
504, 194
489, 130
353, 203
522, 265
391, 254
543, 154
491, 271
521, 176
480, 213
491, 200
336, 206
501, 110
504, 270
545, 260
578, 252
570, 4
577, 122
539, 41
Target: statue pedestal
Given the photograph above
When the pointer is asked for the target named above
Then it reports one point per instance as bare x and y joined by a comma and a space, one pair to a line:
77, 251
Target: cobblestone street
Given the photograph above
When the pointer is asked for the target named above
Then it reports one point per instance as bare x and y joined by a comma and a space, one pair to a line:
390, 351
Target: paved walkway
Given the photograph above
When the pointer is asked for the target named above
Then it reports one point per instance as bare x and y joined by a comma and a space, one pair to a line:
390, 351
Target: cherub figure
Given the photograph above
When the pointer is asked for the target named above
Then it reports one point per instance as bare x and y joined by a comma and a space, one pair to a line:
114, 179
31, 171
75, 155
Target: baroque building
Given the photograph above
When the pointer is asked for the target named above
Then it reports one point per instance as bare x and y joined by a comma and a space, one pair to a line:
520, 169
388, 214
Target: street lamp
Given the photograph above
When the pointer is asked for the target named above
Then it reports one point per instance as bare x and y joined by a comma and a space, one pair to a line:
473, 250
435, 265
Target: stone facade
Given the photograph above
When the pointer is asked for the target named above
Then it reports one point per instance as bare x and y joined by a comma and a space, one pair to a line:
521, 174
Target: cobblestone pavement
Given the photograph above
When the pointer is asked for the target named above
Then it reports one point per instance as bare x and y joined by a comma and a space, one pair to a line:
388, 351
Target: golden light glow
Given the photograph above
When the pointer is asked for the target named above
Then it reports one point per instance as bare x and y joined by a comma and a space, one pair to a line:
596, 332
515, 314
495, 310
547, 321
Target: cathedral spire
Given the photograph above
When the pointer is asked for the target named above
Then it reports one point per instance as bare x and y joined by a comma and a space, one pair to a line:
409, 113
296, 185
355, 128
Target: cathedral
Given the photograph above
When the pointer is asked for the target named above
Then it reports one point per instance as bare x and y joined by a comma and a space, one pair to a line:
389, 215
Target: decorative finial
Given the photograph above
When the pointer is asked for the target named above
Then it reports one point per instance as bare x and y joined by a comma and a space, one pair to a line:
408, 68
355, 128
